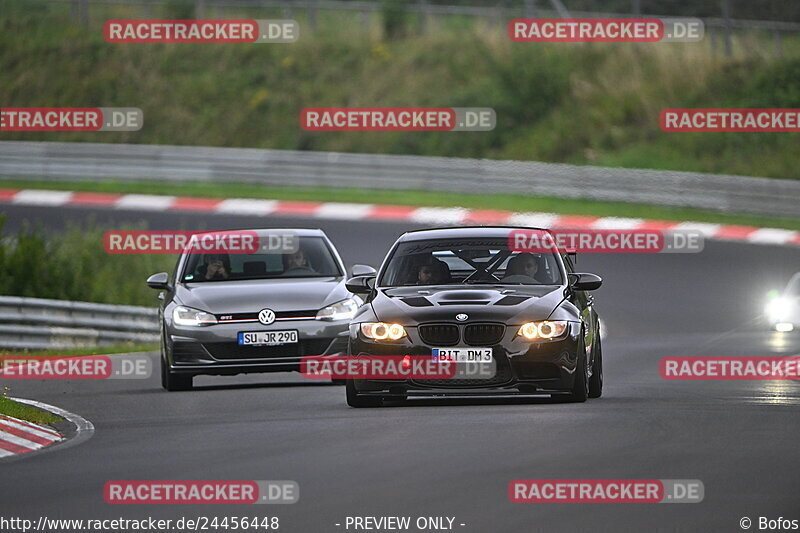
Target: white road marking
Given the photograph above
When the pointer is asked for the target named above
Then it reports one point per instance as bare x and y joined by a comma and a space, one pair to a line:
343, 211
148, 202
42, 197
245, 206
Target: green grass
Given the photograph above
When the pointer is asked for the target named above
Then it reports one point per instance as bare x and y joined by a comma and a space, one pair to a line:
89, 350
73, 265
413, 198
26, 412
596, 103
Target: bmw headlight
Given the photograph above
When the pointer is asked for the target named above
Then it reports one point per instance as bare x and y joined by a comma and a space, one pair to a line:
380, 331
547, 329
343, 310
186, 316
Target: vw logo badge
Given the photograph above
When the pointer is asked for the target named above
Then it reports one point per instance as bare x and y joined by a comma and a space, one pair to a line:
461, 317
266, 316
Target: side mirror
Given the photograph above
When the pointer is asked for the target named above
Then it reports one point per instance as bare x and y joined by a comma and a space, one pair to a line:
363, 270
361, 284
585, 281
159, 281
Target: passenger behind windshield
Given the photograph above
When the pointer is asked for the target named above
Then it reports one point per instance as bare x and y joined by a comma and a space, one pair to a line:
215, 267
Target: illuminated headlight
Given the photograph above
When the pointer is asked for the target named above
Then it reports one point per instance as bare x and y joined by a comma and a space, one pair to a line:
343, 310
186, 316
548, 329
778, 308
381, 331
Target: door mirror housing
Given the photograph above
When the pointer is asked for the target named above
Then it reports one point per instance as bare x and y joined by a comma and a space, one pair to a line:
159, 281
361, 284
585, 281
363, 270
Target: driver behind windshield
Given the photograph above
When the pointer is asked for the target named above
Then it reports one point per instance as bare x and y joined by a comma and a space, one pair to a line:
297, 261
431, 272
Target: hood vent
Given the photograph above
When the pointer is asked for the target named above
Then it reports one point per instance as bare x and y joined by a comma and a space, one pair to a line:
511, 300
416, 301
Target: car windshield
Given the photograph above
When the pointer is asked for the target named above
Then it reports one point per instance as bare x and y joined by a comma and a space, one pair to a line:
468, 261
313, 259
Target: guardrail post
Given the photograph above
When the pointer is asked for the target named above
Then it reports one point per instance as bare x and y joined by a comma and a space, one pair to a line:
778, 44
79, 10
726, 15
312, 14
199, 9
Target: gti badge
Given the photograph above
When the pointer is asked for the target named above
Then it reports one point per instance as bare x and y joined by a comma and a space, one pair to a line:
266, 316
461, 317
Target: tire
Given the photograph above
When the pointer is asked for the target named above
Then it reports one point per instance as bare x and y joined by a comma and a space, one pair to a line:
596, 381
354, 400
338, 381
580, 389
174, 382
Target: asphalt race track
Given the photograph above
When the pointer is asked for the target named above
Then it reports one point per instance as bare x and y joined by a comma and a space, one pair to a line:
456, 458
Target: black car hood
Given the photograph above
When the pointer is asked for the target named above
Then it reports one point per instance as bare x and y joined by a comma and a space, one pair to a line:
508, 304
251, 296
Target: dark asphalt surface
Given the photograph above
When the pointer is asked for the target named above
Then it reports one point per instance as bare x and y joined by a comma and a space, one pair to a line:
456, 458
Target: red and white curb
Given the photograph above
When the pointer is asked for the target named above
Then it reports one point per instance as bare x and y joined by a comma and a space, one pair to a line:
18, 436
380, 212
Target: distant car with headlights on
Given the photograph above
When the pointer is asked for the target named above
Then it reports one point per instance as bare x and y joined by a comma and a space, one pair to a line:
231, 313
783, 309
465, 294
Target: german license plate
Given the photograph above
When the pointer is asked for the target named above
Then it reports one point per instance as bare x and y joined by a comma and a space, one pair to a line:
267, 338
462, 355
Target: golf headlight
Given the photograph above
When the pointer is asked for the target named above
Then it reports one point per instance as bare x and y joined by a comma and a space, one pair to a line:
778, 308
381, 331
548, 329
343, 310
186, 316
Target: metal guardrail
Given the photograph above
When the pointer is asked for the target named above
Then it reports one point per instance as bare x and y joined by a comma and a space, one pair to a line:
42, 324
92, 162
501, 9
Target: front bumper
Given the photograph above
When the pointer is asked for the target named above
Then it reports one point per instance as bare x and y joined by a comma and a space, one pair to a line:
214, 349
522, 367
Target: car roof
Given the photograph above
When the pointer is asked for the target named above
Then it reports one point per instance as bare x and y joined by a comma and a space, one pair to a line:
301, 232
462, 232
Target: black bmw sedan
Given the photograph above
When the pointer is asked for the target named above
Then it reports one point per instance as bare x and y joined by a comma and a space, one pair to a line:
468, 296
